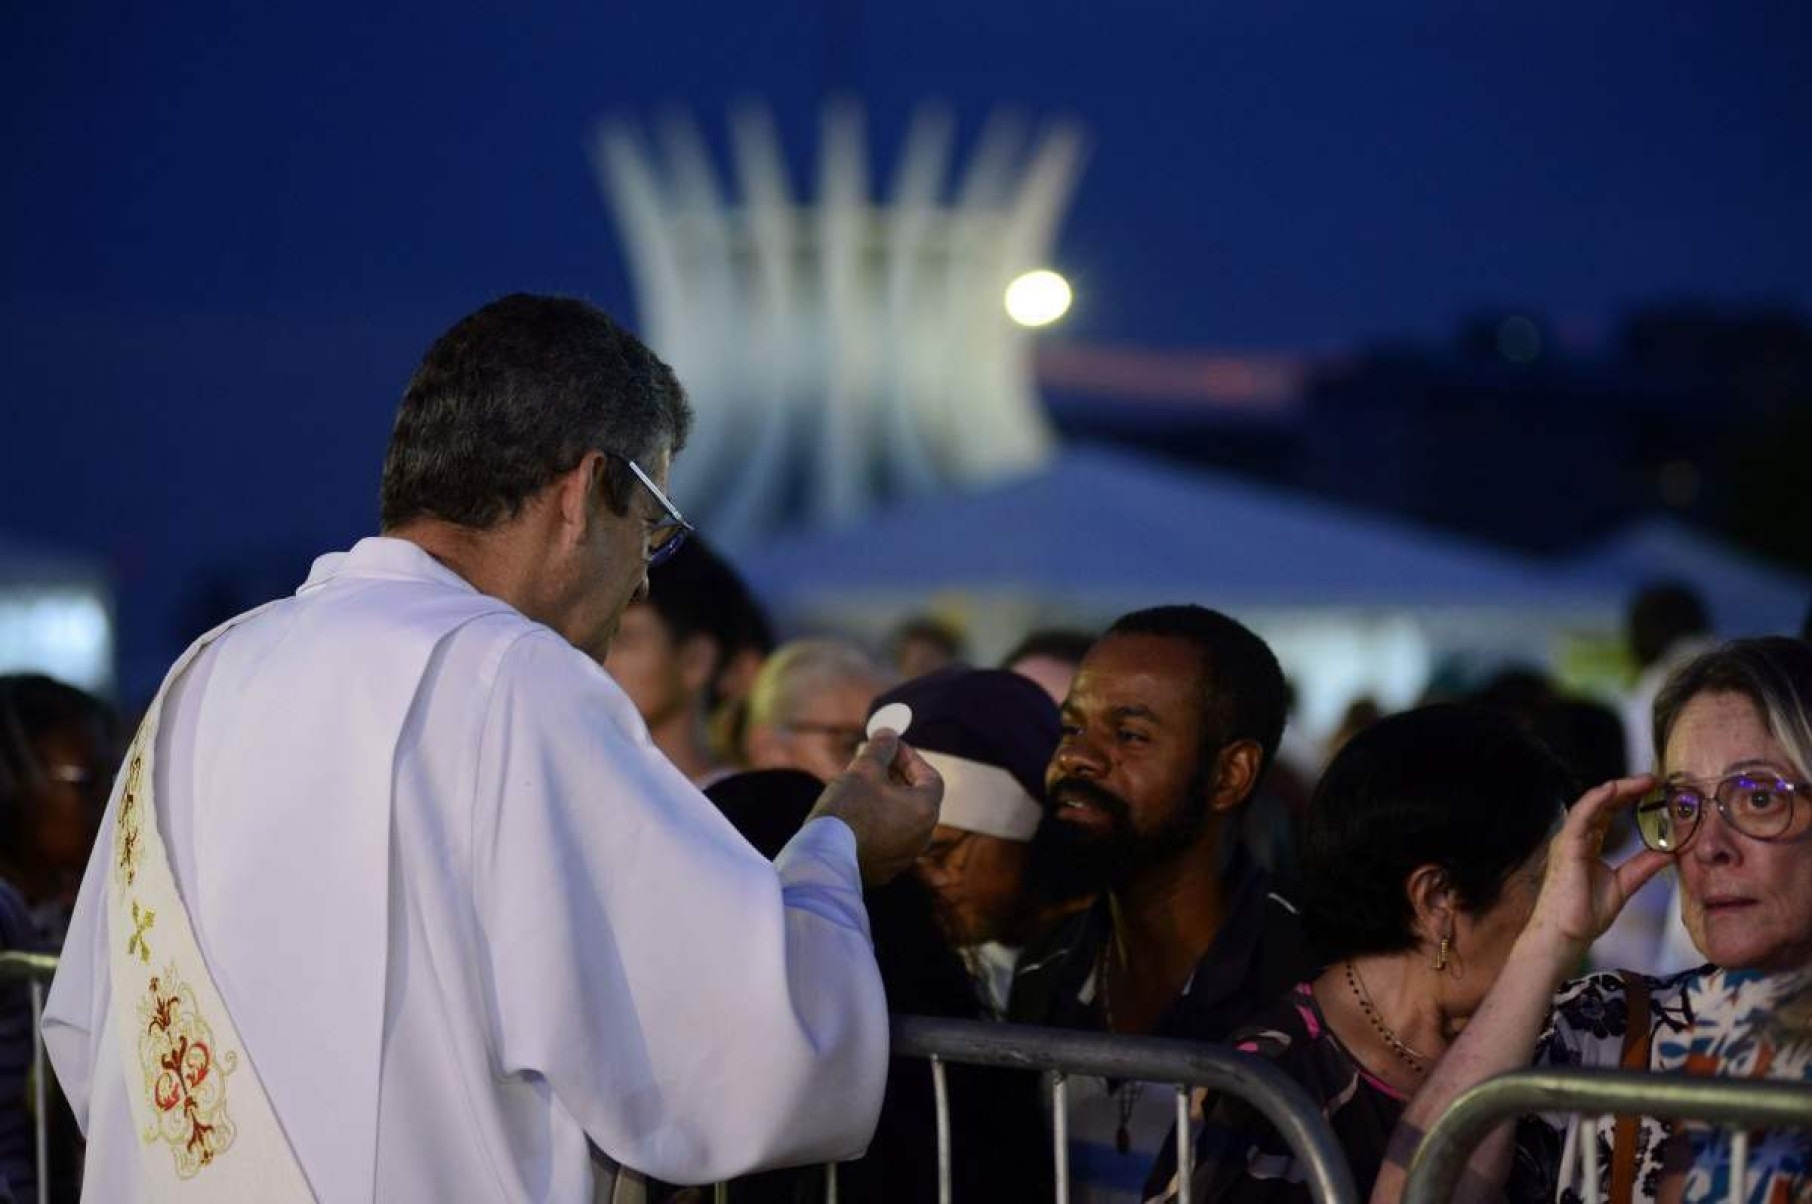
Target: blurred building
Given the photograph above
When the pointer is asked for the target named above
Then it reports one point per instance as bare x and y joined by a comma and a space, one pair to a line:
1506, 432
847, 344
1532, 455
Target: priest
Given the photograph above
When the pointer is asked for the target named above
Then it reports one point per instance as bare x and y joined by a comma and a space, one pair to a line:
396, 900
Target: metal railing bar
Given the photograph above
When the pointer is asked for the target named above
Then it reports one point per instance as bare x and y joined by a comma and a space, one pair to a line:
1185, 1148
1748, 1103
941, 1089
979, 1043
1280, 1099
40, 1091
1184, 1063
36, 969
18, 966
1569, 1155
1588, 1144
1739, 1166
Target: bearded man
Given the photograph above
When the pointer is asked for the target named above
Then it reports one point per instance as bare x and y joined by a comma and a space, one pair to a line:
1167, 729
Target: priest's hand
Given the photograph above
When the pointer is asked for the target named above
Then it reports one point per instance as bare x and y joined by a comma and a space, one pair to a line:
889, 797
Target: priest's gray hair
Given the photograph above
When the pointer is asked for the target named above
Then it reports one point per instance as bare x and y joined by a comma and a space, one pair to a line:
516, 394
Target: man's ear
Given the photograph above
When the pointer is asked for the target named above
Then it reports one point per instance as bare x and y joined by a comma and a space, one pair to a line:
1235, 775
579, 491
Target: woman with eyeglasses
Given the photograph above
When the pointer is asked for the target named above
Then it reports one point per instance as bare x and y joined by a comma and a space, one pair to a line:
1731, 810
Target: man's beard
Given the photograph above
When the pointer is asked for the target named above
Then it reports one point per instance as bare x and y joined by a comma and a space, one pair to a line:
1068, 860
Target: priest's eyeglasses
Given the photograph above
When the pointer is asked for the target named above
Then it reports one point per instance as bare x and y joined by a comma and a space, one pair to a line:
665, 534
1759, 804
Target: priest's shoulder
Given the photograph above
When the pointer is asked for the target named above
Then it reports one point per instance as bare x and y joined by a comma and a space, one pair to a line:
538, 666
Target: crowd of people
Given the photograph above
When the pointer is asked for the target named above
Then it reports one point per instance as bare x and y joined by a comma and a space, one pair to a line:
515, 858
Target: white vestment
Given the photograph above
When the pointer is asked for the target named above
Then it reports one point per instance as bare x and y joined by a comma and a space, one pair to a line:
470, 923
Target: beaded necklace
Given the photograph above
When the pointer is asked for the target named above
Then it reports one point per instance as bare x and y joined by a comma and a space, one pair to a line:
1417, 1062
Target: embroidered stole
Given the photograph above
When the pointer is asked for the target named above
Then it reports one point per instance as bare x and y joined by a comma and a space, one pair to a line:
206, 1127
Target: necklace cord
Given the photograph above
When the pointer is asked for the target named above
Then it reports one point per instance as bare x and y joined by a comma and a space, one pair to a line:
1418, 1062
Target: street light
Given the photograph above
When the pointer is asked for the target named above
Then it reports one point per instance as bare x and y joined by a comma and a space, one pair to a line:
1038, 298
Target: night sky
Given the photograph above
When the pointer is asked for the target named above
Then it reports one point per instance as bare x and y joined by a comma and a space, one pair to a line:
230, 231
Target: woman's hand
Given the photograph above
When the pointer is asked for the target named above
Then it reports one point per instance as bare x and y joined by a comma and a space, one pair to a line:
1580, 893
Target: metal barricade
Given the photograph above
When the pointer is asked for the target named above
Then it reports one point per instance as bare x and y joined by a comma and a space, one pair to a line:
35, 969
1186, 1064
1742, 1104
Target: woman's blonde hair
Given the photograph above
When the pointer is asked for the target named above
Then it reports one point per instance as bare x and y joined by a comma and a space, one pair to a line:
1773, 672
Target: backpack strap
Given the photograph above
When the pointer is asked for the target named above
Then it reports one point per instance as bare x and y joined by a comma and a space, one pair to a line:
1635, 1057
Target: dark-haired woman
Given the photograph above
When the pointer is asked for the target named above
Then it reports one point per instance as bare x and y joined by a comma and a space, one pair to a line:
1423, 852
1732, 813
56, 760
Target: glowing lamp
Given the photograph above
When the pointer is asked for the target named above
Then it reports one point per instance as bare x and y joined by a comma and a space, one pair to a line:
1038, 298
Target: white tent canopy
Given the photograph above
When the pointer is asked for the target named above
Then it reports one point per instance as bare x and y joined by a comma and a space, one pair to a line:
1107, 527
1745, 595
1352, 603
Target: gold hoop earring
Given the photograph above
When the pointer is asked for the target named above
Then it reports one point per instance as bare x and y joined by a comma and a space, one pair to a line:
1440, 961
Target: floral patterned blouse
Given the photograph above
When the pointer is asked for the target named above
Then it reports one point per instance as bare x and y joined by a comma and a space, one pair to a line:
1586, 1027
1735, 1023
1749, 1025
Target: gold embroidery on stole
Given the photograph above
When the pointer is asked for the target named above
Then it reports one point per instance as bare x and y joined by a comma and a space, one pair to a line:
185, 1079
127, 838
183, 1076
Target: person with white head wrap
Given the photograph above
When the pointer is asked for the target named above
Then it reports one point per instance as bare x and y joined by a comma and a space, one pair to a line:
990, 734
